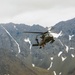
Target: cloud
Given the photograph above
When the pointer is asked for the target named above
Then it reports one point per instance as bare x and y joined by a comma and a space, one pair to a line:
47, 17
44, 12
13, 7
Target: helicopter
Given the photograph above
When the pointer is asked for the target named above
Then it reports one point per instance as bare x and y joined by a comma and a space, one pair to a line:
45, 38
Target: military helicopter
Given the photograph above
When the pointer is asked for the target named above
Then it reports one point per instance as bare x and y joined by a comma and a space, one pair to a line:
45, 38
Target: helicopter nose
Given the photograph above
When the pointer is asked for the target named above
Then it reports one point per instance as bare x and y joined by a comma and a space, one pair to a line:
52, 41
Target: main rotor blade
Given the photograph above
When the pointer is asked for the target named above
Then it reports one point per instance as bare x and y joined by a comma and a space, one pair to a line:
36, 32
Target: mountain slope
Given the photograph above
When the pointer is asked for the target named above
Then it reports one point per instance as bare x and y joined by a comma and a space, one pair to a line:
66, 57
11, 65
58, 58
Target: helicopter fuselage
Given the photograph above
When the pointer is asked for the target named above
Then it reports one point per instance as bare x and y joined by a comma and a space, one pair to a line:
45, 40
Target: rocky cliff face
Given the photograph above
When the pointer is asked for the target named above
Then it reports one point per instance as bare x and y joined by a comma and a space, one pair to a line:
61, 52
63, 62
15, 57
11, 65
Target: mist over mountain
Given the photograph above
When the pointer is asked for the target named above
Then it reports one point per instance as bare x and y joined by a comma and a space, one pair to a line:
57, 58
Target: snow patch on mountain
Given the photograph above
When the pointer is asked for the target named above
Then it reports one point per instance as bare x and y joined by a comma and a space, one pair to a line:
15, 27
71, 47
70, 37
50, 65
72, 55
28, 40
60, 53
60, 73
51, 58
12, 38
33, 65
61, 42
67, 48
63, 58
54, 72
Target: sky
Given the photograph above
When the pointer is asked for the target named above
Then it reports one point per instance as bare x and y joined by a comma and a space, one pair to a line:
44, 12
